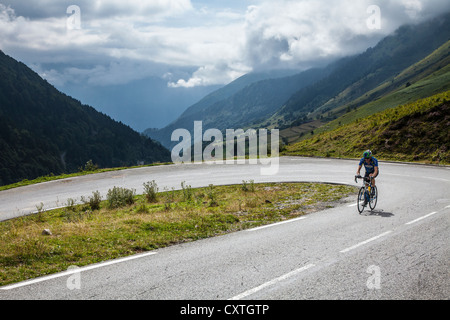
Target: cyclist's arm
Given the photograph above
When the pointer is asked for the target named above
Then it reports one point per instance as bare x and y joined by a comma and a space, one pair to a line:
375, 168
375, 172
358, 172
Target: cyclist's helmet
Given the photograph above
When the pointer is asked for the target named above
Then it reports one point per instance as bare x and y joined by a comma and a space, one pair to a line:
367, 154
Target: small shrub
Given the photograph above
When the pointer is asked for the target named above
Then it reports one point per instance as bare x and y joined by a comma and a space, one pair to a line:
88, 167
187, 192
151, 191
252, 185
40, 207
120, 197
248, 186
70, 204
95, 200
169, 198
40, 210
92, 202
212, 196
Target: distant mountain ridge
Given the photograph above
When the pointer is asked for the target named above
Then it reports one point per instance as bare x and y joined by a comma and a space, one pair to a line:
44, 131
318, 94
408, 45
248, 99
423, 79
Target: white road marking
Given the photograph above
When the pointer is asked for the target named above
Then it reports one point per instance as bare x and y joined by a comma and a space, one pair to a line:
421, 218
365, 242
48, 209
275, 224
352, 205
271, 282
421, 177
438, 179
76, 270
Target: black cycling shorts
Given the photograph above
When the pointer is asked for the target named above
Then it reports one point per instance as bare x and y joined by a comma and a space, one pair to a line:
367, 174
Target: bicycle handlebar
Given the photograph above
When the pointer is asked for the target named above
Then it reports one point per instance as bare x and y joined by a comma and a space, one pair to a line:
361, 177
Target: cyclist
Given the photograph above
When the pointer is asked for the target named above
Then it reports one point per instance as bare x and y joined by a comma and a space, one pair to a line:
370, 165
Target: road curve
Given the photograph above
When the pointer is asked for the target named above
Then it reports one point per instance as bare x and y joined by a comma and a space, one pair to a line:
398, 251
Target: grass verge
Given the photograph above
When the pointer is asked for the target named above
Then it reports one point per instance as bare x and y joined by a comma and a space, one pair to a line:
414, 132
81, 236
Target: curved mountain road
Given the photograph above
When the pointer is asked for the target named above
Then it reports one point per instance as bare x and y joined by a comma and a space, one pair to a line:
399, 251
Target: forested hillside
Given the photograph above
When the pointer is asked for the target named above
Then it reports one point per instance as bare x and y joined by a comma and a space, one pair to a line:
44, 131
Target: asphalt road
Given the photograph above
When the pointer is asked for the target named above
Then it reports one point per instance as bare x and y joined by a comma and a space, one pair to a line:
399, 251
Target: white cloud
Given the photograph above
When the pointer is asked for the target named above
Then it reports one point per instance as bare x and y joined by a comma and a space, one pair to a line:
101, 9
303, 32
122, 41
412, 7
212, 74
119, 8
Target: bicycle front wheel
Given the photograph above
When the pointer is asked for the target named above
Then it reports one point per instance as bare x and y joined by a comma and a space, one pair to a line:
361, 201
373, 199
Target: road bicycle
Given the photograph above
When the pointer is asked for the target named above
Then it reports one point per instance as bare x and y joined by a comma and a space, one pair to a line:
368, 194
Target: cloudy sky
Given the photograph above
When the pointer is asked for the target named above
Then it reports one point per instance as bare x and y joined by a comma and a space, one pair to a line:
193, 43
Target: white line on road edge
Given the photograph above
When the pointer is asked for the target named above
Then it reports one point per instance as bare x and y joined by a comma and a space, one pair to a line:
271, 282
352, 205
76, 270
418, 219
275, 224
364, 242
48, 209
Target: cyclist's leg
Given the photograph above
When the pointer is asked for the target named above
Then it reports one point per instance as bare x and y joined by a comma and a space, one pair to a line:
366, 176
373, 179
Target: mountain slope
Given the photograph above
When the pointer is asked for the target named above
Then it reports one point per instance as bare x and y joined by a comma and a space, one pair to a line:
417, 131
43, 131
433, 63
239, 104
425, 78
231, 89
185, 120
365, 72
315, 97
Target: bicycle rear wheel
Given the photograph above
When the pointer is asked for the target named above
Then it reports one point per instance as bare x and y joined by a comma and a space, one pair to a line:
373, 199
361, 201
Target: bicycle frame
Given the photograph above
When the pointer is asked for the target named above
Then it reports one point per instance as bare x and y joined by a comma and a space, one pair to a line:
369, 198
367, 183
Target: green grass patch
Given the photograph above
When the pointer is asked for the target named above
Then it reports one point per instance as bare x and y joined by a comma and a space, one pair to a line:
424, 88
81, 236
